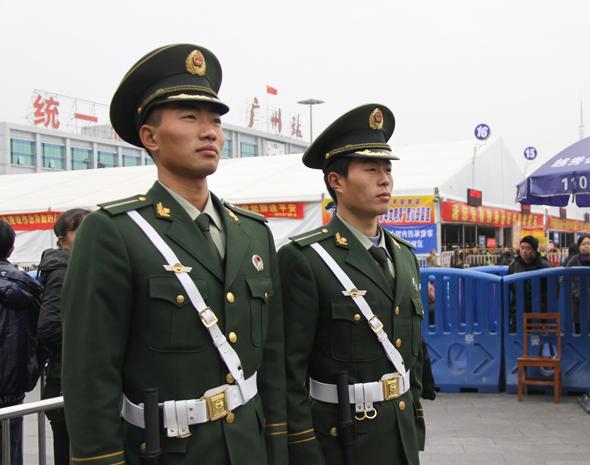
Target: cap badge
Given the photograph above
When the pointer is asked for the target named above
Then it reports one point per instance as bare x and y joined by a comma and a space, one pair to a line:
376, 119
195, 63
257, 262
163, 211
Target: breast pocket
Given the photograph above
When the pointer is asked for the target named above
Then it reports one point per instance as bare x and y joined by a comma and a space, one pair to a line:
173, 322
352, 339
417, 317
260, 291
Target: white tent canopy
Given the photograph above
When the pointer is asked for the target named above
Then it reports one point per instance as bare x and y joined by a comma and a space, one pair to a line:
284, 178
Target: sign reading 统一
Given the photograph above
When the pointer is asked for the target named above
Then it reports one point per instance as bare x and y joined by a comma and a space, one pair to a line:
530, 153
482, 131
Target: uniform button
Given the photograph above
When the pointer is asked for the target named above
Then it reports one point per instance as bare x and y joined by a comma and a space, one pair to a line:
334, 431
230, 297
230, 417
398, 343
265, 295
357, 317
324, 230
233, 337
397, 310
402, 405
229, 378
142, 199
142, 448
180, 299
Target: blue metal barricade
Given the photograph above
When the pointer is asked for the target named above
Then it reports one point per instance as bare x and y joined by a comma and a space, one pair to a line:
492, 269
464, 342
558, 285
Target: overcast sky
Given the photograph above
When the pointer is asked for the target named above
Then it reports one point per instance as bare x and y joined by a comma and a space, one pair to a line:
442, 67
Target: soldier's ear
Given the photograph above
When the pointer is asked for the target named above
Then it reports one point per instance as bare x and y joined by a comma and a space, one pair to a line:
10, 252
147, 135
335, 181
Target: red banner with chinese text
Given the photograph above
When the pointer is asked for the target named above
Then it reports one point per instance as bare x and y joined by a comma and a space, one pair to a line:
459, 212
276, 210
31, 221
558, 224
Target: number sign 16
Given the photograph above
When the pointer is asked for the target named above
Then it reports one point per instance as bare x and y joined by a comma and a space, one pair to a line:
482, 131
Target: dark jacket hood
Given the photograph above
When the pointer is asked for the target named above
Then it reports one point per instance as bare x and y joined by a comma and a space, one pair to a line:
52, 260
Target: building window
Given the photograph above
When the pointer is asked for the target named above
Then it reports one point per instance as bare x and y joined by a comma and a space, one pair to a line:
131, 160
227, 151
106, 160
22, 152
248, 150
149, 161
53, 156
81, 159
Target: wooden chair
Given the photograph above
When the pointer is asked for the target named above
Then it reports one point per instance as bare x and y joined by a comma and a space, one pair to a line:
547, 323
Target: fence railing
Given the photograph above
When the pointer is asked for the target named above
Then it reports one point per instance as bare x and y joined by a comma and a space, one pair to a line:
17, 411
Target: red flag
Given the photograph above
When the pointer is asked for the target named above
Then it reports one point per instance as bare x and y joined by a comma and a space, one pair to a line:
271, 90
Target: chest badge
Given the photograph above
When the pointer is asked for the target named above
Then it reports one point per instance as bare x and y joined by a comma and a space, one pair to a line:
178, 268
354, 292
415, 284
257, 262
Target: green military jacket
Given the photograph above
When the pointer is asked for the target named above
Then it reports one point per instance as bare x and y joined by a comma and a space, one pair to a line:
128, 325
325, 333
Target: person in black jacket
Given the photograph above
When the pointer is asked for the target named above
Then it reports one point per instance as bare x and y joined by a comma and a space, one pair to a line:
529, 260
21, 359
53, 267
581, 259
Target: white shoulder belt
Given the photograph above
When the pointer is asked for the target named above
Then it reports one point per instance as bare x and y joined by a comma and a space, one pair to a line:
392, 353
247, 388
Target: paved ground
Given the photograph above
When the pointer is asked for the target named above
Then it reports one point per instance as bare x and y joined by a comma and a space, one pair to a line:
472, 428
469, 429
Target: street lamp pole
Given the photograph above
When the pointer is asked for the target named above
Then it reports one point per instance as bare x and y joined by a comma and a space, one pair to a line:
310, 102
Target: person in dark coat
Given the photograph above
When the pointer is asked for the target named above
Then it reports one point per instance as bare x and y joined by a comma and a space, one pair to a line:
507, 259
529, 260
581, 259
53, 267
21, 359
573, 250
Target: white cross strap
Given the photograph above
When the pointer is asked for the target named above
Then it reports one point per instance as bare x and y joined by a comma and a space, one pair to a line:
392, 353
208, 318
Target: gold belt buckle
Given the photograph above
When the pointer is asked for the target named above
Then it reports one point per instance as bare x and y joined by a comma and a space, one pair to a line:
390, 388
207, 325
379, 328
216, 406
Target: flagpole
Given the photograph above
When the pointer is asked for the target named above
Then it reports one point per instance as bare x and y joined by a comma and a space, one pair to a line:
310, 102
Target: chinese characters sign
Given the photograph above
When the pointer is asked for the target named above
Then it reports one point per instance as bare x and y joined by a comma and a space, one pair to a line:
409, 211
422, 237
271, 119
557, 224
459, 212
276, 210
31, 221
46, 112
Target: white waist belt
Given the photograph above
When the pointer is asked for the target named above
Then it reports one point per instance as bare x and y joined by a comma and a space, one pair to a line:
179, 414
363, 395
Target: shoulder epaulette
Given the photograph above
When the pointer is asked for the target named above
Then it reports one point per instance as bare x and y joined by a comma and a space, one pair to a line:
312, 236
397, 239
125, 205
242, 211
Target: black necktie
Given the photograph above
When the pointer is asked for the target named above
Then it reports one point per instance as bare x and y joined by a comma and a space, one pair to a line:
380, 255
204, 223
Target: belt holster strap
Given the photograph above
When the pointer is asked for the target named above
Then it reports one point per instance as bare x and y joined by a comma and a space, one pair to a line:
392, 353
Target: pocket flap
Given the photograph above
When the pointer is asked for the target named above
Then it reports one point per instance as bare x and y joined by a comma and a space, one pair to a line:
260, 286
169, 288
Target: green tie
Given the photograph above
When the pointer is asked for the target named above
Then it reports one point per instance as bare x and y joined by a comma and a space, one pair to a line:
204, 223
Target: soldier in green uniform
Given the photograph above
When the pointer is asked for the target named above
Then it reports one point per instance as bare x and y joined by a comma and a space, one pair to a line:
352, 303
155, 297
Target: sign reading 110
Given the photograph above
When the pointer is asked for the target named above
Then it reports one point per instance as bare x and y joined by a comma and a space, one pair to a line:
482, 132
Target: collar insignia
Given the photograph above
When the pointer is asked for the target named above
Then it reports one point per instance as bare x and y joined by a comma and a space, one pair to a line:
232, 214
341, 240
163, 211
